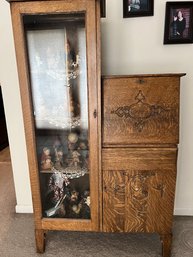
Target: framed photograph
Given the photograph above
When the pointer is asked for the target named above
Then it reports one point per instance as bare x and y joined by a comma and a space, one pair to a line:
137, 8
178, 23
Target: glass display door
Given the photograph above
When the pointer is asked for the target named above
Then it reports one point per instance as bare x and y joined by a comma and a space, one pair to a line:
56, 47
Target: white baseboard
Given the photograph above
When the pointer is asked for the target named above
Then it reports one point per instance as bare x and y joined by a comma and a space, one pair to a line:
183, 211
24, 209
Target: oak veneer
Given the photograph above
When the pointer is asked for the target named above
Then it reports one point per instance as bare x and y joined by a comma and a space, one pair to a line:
140, 134
141, 110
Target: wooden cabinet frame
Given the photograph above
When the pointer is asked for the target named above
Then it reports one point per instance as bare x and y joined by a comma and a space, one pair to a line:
92, 12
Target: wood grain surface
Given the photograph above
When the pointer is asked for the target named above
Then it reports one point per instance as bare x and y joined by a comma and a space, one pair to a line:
140, 133
139, 186
141, 110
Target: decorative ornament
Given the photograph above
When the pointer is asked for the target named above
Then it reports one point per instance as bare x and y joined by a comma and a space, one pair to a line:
73, 138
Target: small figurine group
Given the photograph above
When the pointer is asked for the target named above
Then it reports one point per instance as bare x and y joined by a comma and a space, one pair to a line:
76, 154
76, 205
68, 202
67, 161
46, 160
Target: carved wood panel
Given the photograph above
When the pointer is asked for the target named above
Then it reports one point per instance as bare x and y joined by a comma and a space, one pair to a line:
138, 201
114, 201
140, 110
138, 197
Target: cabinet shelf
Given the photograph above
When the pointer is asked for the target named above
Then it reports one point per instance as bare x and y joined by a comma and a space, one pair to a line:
70, 172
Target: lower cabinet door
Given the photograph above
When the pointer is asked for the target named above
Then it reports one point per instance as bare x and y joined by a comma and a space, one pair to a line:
138, 189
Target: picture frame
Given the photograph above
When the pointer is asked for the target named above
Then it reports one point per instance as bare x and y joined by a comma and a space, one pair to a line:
103, 8
138, 8
178, 23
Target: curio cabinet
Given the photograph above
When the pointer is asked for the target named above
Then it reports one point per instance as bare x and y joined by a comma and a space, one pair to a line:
58, 51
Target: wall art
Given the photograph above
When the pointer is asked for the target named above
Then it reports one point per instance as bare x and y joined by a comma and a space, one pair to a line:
178, 23
137, 8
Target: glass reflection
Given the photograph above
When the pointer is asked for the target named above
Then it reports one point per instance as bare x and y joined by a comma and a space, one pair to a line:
58, 74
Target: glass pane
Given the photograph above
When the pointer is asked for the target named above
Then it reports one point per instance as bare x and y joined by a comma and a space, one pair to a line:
58, 72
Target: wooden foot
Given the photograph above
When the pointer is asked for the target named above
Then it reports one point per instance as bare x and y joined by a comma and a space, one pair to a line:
166, 244
40, 240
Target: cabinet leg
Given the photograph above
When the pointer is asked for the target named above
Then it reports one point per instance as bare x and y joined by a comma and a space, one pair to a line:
40, 240
166, 244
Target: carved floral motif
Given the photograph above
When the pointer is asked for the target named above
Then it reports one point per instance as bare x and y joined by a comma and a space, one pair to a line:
139, 190
139, 185
140, 111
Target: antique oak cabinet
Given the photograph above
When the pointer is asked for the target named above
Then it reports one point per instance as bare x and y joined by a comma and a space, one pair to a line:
58, 57
139, 153
113, 172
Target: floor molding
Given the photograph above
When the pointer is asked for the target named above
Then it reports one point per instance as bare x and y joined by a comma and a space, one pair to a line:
183, 211
24, 209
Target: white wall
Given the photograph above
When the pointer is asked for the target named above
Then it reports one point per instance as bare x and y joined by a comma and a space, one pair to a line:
129, 46
13, 112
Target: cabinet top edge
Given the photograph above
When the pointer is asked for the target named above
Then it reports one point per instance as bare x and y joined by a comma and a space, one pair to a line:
10, 1
29, 0
143, 75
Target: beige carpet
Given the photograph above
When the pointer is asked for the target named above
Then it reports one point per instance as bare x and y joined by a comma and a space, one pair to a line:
17, 234
5, 156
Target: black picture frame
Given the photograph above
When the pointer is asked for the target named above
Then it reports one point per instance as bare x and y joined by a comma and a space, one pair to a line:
178, 23
103, 8
138, 8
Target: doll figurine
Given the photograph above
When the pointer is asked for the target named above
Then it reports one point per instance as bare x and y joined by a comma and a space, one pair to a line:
82, 146
46, 163
72, 141
75, 158
45, 153
59, 162
73, 206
